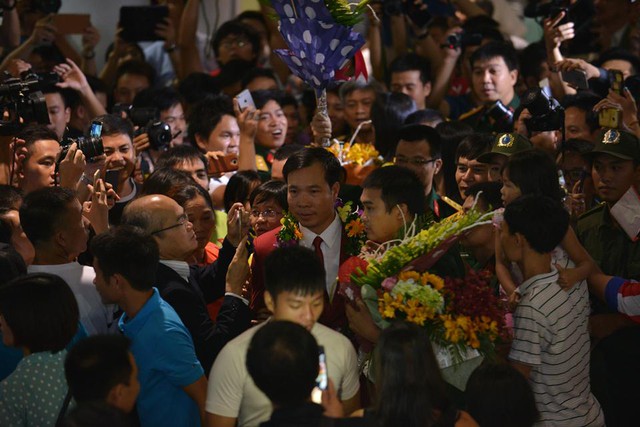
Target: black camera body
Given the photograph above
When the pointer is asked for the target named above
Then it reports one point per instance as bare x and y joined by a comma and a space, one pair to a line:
501, 116
536, 9
23, 101
147, 121
462, 39
546, 112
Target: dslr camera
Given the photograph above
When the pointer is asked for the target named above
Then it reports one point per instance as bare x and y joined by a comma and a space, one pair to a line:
91, 146
546, 112
148, 121
461, 40
500, 116
22, 101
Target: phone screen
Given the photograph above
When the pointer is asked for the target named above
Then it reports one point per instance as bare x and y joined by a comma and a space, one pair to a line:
96, 129
322, 380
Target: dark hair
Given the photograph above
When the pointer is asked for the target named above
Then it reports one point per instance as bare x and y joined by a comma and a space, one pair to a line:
11, 262
184, 194
41, 311
388, 113
233, 72
43, 211
97, 364
96, 414
262, 97
498, 395
162, 98
34, 132
531, 59
398, 185
255, 73
197, 86
496, 49
293, 269
239, 187
96, 84
255, 16
113, 125
10, 196
619, 54
206, 114
164, 180
580, 146
70, 98
489, 192
412, 62
411, 391
137, 67
540, 219
308, 157
421, 117
472, 146
286, 151
534, 172
270, 190
451, 134
129, 251
175, 156
236, 28
584, 101
282, 359
419, 133
352, 85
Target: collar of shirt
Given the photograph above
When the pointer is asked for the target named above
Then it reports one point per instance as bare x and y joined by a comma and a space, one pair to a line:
131, 326
130, 196
180, 267
330, 236
538, 279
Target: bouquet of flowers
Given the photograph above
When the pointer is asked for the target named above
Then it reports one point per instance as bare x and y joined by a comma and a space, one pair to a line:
463, 316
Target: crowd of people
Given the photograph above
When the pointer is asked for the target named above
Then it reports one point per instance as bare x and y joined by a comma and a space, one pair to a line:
169, 251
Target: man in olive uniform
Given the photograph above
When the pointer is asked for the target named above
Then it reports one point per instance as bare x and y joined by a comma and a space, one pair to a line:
503, 147
615, 372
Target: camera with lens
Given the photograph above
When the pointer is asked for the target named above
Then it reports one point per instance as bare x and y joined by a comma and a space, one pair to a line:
551, 9
91, 146
546, 112
501, 116
22, 100
148, 121
461, 40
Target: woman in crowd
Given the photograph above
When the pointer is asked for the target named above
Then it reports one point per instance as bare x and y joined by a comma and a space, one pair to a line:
268, 203
39, 315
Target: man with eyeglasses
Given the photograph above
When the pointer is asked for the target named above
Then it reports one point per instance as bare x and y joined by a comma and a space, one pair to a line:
418, 149
189, 288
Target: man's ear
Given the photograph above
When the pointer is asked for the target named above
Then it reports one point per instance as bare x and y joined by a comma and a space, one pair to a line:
427, 89
514, 77
402, 212
201, 142
437, 165
268, 301
115, 395
335, 190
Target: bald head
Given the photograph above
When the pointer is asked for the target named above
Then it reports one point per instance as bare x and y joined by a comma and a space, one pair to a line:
166, 221
148, 212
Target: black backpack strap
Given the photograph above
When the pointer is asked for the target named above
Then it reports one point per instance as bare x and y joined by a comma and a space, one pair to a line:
63, 410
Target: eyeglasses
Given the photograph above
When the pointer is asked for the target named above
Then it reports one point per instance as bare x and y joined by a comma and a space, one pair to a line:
269, 213
415, 162
182, 220
239, 42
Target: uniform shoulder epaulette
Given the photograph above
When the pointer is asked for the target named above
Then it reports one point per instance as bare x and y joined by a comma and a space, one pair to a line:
470, 113
592, 211
261, 163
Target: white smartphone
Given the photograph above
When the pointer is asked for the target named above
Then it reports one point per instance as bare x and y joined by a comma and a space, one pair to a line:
245, 100
322, 380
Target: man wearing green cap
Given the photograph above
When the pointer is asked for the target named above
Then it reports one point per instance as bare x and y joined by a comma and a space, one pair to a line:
503, 147
615, 372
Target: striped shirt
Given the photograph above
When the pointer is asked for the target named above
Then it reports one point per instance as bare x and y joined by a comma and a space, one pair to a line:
550, 335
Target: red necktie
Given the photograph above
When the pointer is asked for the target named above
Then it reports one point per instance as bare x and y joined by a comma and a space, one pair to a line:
316, 245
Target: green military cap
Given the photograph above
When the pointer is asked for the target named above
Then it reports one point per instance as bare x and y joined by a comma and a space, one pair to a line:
506, 144
618, 143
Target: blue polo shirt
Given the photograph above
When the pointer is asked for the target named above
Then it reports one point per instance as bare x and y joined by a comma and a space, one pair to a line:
166, 361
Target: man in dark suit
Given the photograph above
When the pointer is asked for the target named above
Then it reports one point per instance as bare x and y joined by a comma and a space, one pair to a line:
189, 288
312, 176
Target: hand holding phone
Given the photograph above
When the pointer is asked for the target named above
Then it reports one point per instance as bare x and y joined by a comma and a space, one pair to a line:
245, 100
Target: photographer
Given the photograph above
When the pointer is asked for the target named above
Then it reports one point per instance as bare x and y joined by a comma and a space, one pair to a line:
163, 125
541, 119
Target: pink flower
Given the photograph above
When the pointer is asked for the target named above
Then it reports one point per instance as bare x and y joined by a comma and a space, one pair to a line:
389, 283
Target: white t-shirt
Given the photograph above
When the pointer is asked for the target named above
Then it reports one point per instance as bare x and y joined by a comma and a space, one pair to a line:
232, 393
96, 317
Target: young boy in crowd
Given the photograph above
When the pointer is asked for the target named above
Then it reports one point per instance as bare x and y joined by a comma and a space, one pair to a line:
551, 337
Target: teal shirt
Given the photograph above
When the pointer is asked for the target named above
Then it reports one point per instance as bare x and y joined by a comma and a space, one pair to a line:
34, 393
